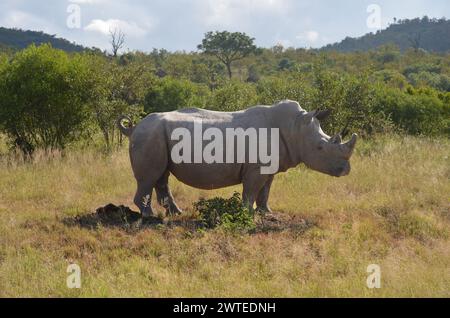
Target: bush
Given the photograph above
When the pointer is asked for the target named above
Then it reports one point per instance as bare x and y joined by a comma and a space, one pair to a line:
421, 111
350, 98
169, 94
229, 214
274, 89
117, 90
43, 97
437, 81
422, 67
390, 77
233, 96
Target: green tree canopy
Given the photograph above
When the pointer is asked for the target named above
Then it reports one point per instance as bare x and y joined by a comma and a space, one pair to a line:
228, 47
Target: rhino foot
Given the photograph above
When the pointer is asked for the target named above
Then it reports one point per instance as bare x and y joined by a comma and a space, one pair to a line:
264, 209
173, 210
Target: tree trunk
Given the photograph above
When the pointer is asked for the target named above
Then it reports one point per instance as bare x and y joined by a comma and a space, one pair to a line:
106, 136
229, 69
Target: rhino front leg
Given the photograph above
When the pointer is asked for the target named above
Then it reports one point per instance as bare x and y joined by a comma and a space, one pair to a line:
164, 195
252, 183
263, 197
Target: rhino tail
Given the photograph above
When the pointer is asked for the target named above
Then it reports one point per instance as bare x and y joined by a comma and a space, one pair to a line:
127, 131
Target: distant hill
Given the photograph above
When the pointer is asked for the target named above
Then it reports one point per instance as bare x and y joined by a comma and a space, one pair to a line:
20, 39
428, 34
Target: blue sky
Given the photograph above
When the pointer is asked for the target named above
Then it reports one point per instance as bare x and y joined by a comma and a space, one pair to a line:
181, 24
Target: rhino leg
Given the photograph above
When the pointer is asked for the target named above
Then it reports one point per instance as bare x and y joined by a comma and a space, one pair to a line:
252, 183
263, 197
147, 171
143, 197
164, 195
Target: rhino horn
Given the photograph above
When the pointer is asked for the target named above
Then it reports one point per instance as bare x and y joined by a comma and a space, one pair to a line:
349, 146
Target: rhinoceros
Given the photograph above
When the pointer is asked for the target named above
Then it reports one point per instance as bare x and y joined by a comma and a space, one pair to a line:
301, 140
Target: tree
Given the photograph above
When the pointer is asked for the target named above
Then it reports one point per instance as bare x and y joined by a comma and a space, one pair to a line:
228, 47
117, 40
43, 98
415, 41
117, 89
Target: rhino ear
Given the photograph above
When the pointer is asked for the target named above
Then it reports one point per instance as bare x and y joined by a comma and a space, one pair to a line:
307, 117
322, 114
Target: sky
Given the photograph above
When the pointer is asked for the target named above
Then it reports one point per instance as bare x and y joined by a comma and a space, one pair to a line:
181, 24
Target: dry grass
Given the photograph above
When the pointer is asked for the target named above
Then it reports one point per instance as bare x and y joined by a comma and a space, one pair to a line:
393, 210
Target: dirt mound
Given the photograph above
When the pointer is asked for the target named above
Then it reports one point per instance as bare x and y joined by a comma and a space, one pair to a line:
113, 216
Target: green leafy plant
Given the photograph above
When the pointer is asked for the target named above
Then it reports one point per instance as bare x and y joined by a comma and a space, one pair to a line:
169, 94
229, 214
43, 98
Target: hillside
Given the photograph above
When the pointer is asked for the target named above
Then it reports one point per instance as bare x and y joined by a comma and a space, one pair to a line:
428, 34
20, 39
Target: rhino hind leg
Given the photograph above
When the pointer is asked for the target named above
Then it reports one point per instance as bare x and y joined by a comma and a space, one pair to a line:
143, 198
252, 184
147, 180
263, 197
164, 195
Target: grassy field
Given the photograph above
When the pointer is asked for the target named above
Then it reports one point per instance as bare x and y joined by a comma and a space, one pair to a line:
392, 210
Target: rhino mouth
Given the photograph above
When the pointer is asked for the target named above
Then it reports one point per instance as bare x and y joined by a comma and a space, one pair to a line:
341, 171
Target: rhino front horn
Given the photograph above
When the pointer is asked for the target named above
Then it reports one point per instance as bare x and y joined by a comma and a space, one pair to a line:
349, 146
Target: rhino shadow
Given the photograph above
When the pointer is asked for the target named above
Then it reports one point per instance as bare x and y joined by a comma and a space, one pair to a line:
122, 217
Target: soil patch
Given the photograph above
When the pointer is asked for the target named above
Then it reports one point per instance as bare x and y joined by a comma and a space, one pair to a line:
278, 222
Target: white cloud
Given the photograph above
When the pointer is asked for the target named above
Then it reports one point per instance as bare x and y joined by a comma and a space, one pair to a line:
229, 12
131, 29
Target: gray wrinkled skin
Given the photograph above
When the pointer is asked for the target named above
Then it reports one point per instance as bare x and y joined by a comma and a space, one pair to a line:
301, 141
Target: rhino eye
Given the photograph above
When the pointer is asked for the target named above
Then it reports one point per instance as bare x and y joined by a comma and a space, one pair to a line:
319, 148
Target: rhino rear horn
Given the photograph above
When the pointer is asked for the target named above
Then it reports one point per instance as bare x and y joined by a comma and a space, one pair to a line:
336, 139
322, 114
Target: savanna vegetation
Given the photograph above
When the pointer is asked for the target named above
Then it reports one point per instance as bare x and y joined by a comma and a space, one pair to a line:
61, 158
392, 210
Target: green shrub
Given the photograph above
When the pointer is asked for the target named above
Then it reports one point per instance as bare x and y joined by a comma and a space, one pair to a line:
43, 98
118, 89
350, 98
437, 81
169, 94
274, 89
229, 214
422, 67
415, 111
390, 77
233, 96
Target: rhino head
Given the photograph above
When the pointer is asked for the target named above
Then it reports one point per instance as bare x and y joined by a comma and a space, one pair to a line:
321, 152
